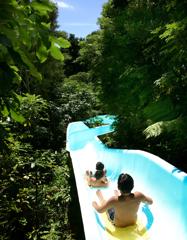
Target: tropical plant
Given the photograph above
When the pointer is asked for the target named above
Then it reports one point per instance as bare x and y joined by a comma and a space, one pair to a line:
25, 40
142, 69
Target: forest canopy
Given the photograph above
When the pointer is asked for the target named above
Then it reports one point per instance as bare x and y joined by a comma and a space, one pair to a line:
142, 71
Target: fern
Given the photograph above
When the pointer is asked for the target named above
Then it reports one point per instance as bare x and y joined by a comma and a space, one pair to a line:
160, 127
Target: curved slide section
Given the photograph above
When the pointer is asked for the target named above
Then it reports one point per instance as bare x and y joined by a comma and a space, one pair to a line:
167, 185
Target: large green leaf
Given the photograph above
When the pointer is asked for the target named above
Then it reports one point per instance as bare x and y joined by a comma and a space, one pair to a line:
63, 43
16, 116
34, 72
42, 53
55, 52
43, 8
5, 111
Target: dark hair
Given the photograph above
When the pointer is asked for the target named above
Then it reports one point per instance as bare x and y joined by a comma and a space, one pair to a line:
99, 166
99, 174
125, 183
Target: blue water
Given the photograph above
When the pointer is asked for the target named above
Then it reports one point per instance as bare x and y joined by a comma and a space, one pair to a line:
167, 185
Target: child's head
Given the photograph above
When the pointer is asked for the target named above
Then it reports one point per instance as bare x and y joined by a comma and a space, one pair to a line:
125, 183
98, 174
99, 166
99, 170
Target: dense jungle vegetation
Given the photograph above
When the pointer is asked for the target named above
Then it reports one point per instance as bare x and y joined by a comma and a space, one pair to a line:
134, 67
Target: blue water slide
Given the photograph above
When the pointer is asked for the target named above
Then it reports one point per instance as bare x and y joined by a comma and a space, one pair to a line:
166, 219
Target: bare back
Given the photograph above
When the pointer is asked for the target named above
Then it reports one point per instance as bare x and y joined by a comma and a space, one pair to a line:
92, 181
126, 209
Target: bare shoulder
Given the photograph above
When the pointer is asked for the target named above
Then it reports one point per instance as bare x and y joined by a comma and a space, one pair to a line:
138, 194
142, 197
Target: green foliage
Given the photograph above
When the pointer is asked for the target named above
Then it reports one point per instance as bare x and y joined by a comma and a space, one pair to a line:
33, 108
25, 29
26, 40
160, 110
56, 44
42, 53
34, 194
35, 189
72, 67
78, 101
34, 181
89, 51
143, 75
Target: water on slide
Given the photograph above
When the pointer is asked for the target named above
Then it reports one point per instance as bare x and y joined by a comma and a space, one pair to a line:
166, 219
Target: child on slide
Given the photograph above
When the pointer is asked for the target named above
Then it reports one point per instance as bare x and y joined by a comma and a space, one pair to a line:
98, 179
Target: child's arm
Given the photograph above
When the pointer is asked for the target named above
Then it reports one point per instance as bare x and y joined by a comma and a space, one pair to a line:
103, 204
104, 180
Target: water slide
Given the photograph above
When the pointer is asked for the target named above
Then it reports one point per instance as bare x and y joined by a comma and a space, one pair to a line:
165, 219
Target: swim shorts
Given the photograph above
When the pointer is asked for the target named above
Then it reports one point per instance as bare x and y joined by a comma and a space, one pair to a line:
110, 214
